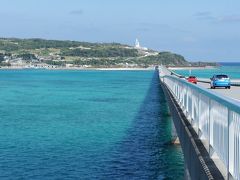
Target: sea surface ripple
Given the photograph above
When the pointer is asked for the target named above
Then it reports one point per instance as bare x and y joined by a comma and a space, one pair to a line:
85, 125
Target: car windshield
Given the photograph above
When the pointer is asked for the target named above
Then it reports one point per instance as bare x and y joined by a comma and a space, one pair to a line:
221, 76
192, 77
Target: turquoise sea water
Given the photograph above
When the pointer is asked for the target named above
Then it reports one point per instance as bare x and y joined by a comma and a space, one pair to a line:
231, 69
85, 125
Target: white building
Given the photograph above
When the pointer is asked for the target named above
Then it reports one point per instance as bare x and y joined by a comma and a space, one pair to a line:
137, 46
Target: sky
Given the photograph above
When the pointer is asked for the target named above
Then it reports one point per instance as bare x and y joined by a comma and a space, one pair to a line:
206, 30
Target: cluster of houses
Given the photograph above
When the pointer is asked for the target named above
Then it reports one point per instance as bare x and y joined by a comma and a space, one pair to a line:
38, 62
34, 61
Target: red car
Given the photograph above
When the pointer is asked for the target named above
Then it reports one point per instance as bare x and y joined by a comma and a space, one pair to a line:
192, 79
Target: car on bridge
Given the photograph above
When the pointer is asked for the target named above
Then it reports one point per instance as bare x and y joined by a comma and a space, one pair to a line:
220, 80
192, 79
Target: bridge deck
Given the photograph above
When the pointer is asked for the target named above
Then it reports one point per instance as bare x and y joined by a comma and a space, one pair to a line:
214, 118
233, 93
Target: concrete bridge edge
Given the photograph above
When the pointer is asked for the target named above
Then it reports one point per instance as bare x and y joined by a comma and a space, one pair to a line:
198, 164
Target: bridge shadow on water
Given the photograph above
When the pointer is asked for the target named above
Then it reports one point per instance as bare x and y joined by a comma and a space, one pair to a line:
145, 152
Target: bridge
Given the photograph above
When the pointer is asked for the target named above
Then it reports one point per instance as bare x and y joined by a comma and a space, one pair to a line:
207, 123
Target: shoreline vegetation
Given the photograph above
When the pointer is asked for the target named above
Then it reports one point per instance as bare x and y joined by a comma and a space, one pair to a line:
53, 54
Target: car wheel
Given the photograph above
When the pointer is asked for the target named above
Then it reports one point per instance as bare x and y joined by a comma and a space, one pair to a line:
229, 87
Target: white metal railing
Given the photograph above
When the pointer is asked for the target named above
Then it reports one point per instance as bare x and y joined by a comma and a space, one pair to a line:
215, 119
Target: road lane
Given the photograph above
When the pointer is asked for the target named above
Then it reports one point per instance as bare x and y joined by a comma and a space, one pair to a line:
233, 93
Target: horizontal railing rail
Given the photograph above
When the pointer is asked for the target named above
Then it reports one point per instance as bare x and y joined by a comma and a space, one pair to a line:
216, 120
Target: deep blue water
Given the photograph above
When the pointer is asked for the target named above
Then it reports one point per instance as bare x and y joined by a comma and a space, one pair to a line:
85, 125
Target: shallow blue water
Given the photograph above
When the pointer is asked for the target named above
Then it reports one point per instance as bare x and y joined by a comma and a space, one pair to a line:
85, 125
231, 69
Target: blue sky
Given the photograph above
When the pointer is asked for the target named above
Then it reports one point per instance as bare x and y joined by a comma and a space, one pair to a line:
207, 30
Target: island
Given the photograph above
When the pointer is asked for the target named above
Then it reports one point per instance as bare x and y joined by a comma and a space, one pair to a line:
55, 54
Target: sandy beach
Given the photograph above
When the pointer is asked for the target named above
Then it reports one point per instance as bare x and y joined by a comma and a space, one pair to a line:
77, 68
107, 69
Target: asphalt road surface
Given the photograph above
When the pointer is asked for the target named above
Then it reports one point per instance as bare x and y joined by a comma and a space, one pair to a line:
233, 93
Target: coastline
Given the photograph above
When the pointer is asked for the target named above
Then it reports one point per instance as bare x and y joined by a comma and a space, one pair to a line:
77, 68
123, 69
106, 69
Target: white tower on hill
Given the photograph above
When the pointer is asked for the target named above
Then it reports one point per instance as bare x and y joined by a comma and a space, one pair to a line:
137, 44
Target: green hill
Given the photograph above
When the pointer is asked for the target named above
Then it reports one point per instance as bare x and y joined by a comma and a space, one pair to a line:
83, 53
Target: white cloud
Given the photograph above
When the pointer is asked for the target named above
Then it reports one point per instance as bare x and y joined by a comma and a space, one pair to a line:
76, 12
230, 19
206, 15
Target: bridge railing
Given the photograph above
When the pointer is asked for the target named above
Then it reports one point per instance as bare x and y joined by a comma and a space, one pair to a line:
215, 119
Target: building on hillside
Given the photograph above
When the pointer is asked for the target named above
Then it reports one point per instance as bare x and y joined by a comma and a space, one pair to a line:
137, 46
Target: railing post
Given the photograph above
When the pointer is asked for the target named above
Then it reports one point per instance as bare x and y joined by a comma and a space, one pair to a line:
187, 103
198, 112
209, 125
229, 116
